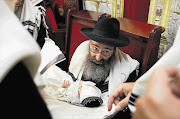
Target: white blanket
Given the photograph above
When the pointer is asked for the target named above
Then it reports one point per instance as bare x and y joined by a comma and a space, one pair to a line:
122, 67
53, 79
50, 55
57, 98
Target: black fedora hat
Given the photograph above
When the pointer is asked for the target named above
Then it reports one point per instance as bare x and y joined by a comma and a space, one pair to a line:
106, 31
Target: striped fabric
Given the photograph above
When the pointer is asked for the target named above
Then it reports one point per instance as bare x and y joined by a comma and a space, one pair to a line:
31, 17
131, 102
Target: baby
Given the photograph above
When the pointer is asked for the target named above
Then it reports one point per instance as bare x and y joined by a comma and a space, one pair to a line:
60, 85
89, 94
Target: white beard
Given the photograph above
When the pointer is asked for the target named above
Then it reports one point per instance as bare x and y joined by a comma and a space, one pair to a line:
96, 72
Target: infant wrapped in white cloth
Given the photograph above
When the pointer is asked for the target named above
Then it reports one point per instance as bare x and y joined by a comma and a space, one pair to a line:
54, 77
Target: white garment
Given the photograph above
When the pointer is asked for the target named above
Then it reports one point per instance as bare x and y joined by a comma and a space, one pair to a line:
122, 67
35, 2
50, 55
54, 78
16, 44
31, 17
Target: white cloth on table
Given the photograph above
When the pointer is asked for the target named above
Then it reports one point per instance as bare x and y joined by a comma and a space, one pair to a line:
56, 97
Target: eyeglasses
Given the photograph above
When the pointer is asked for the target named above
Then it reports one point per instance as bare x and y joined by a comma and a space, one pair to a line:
105, 53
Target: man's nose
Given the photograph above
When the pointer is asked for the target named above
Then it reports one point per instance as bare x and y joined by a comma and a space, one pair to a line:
98, 57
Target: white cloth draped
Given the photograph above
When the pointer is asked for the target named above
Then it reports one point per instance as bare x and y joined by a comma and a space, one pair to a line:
50, 55
123, 65
54, 78
16, 44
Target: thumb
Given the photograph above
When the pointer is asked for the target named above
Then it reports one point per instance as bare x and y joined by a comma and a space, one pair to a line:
123, 103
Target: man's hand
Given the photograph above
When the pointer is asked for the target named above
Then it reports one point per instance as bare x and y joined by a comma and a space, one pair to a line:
161, 100
120, 96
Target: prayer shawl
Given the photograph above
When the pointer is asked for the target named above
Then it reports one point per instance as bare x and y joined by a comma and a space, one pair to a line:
16, 44
35, 2
31, 17
123, 65
50, 55
171, 57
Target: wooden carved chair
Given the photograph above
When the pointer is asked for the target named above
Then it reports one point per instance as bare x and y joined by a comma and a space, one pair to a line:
145, 38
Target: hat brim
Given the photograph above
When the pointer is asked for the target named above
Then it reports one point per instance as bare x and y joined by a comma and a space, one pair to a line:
119, 42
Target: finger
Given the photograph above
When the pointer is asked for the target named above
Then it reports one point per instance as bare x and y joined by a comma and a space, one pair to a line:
165, 72
110, 102
114, 95
69, 82
117, 100
66, 82
175, 85
162, 75
123, 103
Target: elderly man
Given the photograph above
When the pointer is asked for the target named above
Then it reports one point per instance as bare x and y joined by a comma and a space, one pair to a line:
96, 63
99, 60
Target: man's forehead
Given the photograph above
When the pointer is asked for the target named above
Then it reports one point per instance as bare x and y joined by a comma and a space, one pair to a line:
92, 42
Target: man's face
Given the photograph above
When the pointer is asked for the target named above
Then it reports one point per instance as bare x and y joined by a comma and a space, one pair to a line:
98, 64
100, 52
